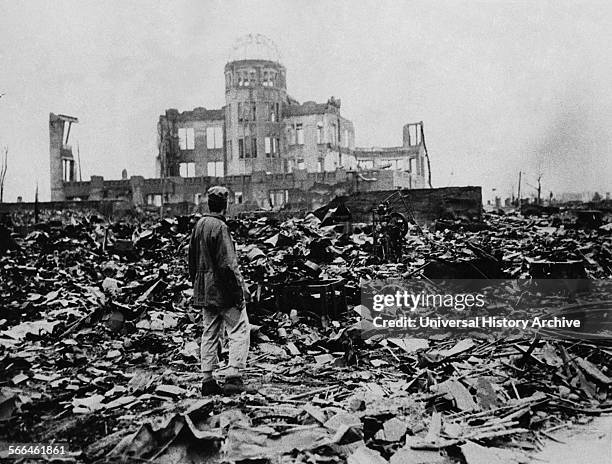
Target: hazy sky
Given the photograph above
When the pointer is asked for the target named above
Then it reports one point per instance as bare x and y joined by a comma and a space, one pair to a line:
501, 86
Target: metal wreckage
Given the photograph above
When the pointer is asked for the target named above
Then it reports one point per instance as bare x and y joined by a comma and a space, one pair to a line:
99, 344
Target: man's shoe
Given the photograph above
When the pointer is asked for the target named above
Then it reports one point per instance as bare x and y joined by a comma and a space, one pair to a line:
233, 385
211, 387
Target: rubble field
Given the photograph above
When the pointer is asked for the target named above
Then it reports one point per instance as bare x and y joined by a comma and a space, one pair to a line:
99, 347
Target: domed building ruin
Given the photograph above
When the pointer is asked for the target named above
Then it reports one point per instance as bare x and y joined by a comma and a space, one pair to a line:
270, 150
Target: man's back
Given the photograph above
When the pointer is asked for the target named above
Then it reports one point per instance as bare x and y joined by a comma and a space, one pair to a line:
213, 267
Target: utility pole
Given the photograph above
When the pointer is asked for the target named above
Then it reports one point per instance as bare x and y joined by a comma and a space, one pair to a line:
3, 169
339, 137
519, 190
539, 188
79, 161
36, 211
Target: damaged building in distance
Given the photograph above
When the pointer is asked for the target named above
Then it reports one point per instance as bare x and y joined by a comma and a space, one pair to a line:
270, 150
62, 163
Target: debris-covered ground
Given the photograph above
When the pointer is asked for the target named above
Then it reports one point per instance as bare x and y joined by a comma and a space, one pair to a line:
99, 346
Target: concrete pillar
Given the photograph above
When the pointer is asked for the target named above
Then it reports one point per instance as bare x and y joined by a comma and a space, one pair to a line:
56, 135
406, 135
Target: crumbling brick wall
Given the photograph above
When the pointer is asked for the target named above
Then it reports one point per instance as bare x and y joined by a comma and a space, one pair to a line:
427, 205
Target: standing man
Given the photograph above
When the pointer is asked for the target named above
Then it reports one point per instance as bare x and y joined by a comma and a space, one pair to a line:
219, 290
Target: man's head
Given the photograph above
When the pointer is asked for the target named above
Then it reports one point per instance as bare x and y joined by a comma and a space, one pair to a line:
217, 199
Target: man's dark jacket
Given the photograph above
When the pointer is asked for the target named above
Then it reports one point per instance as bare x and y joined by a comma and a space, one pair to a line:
213, 266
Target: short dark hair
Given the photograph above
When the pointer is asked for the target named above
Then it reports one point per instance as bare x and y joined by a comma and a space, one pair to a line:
217, 198
216, 205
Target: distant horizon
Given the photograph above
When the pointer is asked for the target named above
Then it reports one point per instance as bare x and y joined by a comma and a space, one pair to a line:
501, 87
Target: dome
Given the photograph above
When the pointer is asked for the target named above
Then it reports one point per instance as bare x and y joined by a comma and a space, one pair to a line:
254, 47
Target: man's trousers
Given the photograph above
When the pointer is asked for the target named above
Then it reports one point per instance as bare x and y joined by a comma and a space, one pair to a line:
236, 322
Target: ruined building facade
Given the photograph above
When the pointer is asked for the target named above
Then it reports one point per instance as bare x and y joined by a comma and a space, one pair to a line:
269, 149
62, 163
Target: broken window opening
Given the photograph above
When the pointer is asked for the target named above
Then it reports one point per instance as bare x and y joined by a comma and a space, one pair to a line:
334, 135
268, 146
240, 148
301, 164
186, 138
275, 147
299, 131
214, 137
238, 198
414, 135
215, 169
68, 170
253, 147
154, 199
272, 111
245, 147
278, 198
187, 169
246, 111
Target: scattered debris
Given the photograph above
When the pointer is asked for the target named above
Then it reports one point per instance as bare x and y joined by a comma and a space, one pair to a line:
99, 345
